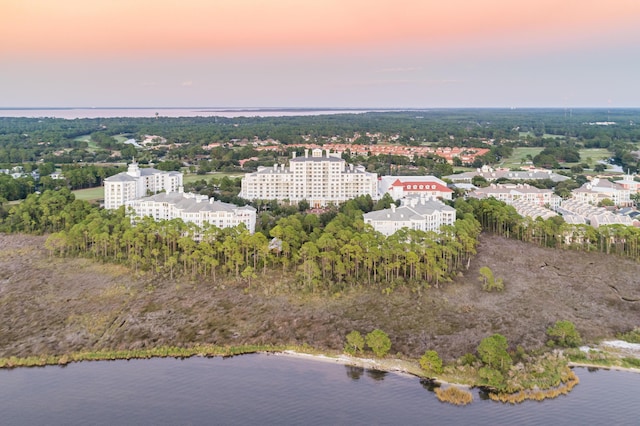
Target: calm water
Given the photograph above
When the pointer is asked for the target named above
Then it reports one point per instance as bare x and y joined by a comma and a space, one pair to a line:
72, 113
276, 390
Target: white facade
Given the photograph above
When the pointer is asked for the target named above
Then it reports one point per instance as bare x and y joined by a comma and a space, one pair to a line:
136, 183
197, 209
319, 179
417, 213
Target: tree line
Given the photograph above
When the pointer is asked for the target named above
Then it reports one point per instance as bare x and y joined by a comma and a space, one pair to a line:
318, 257
502, 219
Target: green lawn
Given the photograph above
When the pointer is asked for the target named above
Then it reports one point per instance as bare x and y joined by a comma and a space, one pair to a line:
519, 156
90, 194
91, 145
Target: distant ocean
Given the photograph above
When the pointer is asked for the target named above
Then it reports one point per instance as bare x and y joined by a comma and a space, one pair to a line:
73, 113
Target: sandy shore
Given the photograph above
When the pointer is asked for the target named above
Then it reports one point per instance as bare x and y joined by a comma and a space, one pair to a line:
390, 365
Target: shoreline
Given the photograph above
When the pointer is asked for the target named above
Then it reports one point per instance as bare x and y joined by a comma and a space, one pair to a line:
604, 367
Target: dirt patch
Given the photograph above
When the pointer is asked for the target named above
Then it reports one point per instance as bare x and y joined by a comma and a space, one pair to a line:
53, 306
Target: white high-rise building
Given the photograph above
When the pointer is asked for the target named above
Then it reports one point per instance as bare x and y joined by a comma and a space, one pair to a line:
319, 179
136, 183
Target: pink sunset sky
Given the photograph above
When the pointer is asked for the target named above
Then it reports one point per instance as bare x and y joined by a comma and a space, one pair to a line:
320, 53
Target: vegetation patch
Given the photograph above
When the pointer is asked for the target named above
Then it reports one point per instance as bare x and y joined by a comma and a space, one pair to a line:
454, 395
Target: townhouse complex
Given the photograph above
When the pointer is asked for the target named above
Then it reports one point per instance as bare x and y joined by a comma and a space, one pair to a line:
320, 178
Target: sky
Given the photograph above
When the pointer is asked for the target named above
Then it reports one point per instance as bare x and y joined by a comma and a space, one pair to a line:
320, 53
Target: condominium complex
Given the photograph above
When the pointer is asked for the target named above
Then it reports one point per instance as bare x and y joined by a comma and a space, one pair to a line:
319, 178
417, 213
197, 209
136, 183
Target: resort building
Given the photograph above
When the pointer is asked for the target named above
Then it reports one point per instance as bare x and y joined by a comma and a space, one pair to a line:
138, 182
319, 179
416, 213
597, 190
406, 186
509, 193
197, 209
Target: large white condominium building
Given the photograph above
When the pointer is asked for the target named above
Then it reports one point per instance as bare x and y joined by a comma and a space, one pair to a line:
417, 213
136, 183
198, 209
319, 179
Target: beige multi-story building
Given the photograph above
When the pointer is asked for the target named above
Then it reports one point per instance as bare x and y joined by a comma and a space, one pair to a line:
597, 190
319, 178
138, 182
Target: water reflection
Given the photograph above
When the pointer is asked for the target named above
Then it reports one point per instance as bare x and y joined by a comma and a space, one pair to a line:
429, 384
354, 372
377, 374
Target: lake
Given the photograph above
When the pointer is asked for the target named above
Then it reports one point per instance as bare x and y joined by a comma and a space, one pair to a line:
281, 390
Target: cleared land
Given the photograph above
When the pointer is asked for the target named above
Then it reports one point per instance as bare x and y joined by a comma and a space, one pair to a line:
55, 306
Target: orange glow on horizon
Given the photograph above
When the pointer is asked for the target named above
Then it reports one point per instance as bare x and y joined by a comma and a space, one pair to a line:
129, 27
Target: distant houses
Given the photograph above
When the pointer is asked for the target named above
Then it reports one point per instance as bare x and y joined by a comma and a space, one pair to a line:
491, 175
